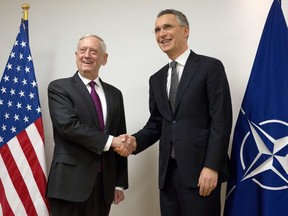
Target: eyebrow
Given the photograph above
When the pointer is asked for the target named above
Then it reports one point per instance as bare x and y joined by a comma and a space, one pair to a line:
164, 26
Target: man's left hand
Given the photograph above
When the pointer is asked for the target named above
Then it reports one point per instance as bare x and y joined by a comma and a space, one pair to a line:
208, 181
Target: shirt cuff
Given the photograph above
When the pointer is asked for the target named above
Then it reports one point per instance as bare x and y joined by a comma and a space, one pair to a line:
108, 143
119, 188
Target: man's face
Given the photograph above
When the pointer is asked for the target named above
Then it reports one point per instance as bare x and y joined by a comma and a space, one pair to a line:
90, 57
170, 36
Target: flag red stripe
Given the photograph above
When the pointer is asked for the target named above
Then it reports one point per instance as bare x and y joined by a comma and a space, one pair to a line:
39, 125
33, 161
18, 181
6, 208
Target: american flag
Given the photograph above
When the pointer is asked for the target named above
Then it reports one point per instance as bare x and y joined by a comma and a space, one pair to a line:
22, 156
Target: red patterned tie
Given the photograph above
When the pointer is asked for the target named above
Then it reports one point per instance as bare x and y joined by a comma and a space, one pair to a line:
98, 106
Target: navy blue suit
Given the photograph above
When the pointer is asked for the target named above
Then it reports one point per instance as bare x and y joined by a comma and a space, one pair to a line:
200, 126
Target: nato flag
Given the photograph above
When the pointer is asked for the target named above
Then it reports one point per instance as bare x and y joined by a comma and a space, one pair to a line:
259, 162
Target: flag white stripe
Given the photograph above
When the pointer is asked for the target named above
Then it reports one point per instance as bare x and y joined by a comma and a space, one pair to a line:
28, 177
11, 194
38, 145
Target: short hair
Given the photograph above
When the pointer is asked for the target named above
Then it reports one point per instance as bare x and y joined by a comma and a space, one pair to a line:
102, 42
182, 19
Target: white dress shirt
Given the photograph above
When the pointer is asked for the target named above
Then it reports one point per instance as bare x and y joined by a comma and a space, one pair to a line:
181, 61
101, 93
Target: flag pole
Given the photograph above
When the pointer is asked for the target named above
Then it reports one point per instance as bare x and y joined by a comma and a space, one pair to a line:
25, 8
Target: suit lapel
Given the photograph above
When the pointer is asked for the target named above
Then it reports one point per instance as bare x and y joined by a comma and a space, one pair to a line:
188, 73
82, 90
109, 103
162, 85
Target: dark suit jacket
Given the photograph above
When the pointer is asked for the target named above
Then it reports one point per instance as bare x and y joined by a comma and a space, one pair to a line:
201, 124
79, 144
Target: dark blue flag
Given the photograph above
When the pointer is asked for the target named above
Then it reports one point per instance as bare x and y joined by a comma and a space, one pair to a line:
259, 162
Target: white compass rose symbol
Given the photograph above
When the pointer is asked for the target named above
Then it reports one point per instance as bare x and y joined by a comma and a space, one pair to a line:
269, 155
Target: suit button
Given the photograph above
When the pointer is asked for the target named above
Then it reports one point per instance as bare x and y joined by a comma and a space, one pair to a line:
174, 121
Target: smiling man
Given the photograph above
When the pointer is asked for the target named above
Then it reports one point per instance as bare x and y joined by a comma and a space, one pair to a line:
191, 114
86, 174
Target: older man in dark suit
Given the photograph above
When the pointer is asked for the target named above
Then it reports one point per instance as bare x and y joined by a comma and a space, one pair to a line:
86, 174
191, 114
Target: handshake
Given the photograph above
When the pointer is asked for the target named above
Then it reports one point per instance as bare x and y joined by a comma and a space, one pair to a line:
124, 144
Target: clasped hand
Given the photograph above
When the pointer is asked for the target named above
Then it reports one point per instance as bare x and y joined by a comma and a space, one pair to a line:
124, 144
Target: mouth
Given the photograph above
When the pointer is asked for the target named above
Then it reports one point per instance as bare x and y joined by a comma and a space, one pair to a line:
87, 62
166, 41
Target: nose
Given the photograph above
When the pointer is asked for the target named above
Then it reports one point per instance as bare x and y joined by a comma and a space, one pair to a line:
162, 32
87, 53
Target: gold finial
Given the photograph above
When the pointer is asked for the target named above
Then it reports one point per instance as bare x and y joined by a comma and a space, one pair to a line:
25, 8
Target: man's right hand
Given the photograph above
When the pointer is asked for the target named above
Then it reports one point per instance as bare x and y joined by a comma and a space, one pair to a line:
124, 144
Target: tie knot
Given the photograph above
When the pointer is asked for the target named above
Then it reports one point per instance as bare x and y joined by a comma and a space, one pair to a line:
173, 64
92, 84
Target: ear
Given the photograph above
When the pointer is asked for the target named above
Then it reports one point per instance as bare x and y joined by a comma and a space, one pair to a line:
76, 57
105, 59
186, 31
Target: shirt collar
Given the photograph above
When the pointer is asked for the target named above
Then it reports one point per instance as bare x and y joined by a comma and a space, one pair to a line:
182, 58
87, 81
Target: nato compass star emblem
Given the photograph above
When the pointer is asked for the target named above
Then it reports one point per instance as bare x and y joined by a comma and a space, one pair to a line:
264, 154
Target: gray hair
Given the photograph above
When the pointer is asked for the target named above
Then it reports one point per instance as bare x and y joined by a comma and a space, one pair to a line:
102, 43
183, 21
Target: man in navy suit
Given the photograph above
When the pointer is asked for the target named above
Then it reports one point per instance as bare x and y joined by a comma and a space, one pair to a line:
194, 130
86, 174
